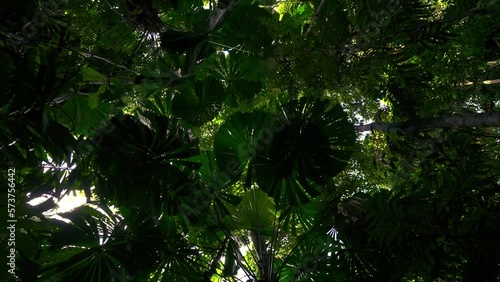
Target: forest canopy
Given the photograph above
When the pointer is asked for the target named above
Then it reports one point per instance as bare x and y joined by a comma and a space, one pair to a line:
250, 140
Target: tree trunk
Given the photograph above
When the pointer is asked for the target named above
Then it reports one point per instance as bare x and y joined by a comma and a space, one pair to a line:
215, 260
467, 120
264, 258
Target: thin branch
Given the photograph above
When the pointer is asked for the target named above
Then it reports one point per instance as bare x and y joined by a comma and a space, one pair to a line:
89, 55
232, 48
485, 82
315, 18
219, 14
141, 42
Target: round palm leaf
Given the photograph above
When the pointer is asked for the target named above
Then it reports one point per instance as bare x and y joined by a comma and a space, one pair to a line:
313, 144
306, 143
149, 159
199, 102
236, 142
96, 244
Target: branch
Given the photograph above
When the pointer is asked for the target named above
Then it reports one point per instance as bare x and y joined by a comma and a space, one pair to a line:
315, 18
218, 15
441, 21
466, 120
486, 82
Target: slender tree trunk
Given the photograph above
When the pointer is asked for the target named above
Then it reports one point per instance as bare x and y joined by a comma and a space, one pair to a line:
467, 120
215, 260
264, 257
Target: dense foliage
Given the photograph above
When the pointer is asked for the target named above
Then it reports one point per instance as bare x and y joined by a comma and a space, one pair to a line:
223, 140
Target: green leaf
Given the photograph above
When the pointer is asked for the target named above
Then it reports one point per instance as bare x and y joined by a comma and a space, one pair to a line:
236, 142
313, 141
86, 120
230, 265
210, 172
199, 102
94, 97
149, 157
255, 212
244, 89
90, 74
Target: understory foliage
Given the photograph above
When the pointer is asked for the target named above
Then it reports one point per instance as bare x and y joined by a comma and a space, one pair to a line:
217, 140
